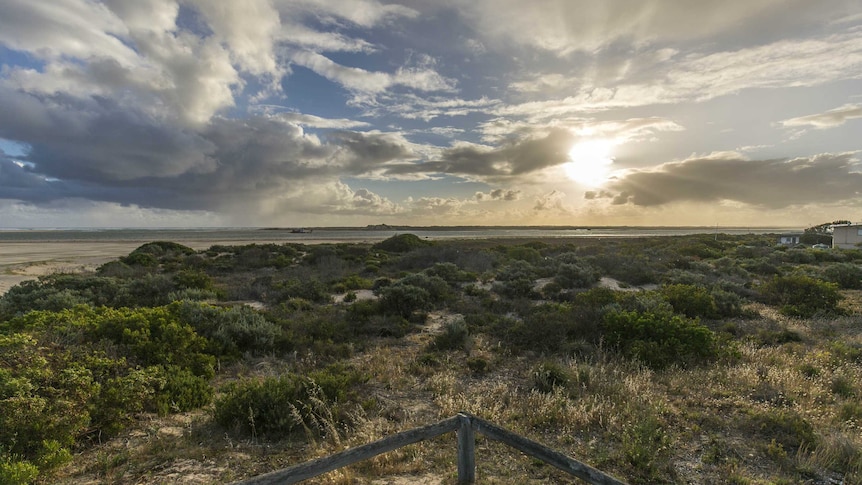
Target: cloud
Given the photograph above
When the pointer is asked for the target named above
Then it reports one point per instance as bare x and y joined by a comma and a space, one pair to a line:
171, 74
511, 159
563, 27
96, 149
249, 30
771, 184
552, 202
364, 13
358, 79
498, 194
328, 198
412, 107
74, 28
829, 119
304, 119
700, 77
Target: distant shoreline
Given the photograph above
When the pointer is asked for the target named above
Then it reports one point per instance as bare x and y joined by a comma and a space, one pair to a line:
387, 227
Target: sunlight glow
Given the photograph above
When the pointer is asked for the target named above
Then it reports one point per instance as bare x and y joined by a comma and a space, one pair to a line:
590, 162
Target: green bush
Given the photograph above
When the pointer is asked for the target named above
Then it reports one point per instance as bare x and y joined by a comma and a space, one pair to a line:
193, 279
576, 275
437, 288
401, 243
402, 299
277, 406
660, 339
690, 300
549, 375
727, 304
455, 336
524, 253
14, 471
231, 331
451, 273
786, 427
802, 296
140, 259
845, 275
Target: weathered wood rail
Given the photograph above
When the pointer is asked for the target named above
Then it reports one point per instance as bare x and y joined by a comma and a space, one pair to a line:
466, 426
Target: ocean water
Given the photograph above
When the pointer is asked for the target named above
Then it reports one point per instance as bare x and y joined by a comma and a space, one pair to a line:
323, 235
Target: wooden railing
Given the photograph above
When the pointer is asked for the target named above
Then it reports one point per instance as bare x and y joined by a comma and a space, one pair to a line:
466, 425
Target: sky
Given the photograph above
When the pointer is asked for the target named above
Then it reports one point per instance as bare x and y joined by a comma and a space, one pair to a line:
294, 113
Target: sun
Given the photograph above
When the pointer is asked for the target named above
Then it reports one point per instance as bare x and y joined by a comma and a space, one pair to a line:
590, 162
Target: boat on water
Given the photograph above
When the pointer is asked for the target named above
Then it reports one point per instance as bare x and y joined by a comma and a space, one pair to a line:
301, 230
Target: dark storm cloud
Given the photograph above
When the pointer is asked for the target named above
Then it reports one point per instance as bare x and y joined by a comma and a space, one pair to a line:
510, 159
96, 140
773, 184
366, 150
92, 148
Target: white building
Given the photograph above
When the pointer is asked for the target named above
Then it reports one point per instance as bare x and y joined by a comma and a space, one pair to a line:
847, 236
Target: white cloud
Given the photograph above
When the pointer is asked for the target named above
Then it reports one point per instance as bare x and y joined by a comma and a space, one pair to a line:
248, 29
829, 119
364, 13
566, 26
357, 79
498, 194
552, 202
696, 78
75, 28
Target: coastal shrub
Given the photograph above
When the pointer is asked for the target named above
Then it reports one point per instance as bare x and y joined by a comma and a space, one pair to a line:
403, 299
660, 339
14, 471
524, 253
367, 318
310, 289
576, 275
164, 249
845, 275
191, 278
355, 282
451, 273
786, 427
549, 375
548, 327
515, 280
149, 290
135, 259
437, 288
192, 294
81, 372
277, 406
690, 300
801, 296
727, 303
230, 331
182, 391
58, 292
455, 336
401, 243
632, 269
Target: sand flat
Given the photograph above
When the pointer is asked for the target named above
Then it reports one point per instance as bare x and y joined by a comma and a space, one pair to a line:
22, 261
28, 260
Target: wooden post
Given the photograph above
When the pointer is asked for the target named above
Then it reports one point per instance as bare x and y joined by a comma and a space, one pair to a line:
466, 450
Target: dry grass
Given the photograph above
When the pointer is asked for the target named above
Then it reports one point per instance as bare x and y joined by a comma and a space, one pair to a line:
744, 420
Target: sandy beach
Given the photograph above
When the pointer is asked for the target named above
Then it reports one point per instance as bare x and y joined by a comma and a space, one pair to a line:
21, 261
